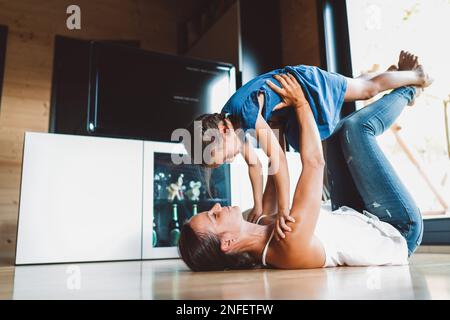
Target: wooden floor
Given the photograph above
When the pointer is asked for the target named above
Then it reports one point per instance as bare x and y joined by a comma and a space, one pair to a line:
427, 277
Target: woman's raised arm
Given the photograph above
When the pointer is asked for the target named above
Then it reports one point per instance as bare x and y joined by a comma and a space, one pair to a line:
308, 193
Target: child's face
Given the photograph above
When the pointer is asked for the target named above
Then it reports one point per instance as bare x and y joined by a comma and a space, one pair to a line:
228, 147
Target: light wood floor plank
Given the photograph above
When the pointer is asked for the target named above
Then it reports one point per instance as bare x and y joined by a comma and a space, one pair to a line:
427, 277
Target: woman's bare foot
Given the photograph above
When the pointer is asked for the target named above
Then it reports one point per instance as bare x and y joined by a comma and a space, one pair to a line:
410, 62
407, 61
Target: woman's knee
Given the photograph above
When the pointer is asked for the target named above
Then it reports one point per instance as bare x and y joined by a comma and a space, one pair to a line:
352, 126
362, 122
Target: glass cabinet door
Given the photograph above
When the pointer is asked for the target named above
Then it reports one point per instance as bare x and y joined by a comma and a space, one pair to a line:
174, 193
181, 191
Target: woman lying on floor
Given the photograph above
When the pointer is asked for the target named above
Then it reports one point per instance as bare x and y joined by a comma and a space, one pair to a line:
362, 181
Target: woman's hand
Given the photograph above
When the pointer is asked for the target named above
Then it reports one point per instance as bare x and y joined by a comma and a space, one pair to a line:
291, 93
254, 214
281, 227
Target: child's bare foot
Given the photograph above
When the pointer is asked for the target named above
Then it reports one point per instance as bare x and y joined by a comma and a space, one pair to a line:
407, 61
425, 79
392, 67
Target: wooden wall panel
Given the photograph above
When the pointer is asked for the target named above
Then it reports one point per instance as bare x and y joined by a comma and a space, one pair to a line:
28, 70
29, 58
300, 32
221, 42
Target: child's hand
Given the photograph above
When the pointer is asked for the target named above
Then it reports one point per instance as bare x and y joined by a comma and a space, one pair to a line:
281, 226
254, 214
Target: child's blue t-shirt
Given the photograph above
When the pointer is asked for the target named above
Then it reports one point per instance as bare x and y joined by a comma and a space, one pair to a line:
324, 91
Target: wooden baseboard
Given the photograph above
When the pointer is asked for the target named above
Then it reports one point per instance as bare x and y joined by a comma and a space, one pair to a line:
433, 249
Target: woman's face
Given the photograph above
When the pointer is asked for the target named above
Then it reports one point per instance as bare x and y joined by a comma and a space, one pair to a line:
224, 222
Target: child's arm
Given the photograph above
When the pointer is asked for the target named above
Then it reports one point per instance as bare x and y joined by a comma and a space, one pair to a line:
269, 201
256, 179
278, 168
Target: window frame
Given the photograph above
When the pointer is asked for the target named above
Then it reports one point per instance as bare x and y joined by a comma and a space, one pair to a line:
336, 57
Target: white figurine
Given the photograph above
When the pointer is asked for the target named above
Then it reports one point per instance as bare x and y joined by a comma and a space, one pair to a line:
176, 189
194, 192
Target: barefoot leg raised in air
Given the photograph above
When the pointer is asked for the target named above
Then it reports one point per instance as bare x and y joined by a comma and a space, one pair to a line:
408, 72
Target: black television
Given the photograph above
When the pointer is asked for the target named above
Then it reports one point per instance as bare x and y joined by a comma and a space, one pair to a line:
134, 93
116, 89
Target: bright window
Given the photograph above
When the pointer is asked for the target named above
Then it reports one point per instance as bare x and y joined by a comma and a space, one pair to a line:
419, 150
